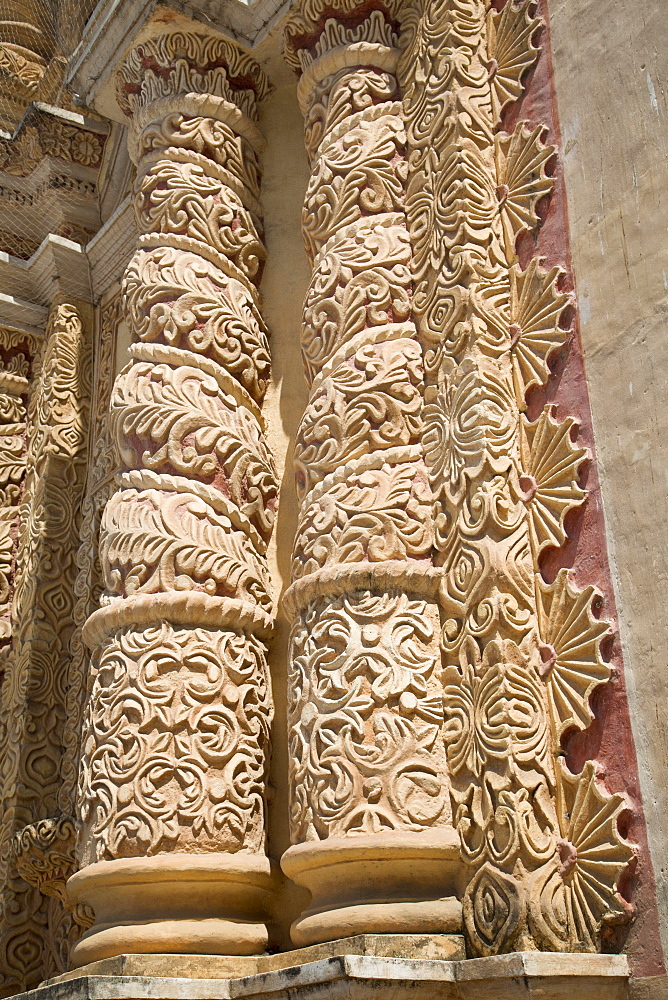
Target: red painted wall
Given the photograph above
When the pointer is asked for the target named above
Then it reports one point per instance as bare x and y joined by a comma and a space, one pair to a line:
609, 740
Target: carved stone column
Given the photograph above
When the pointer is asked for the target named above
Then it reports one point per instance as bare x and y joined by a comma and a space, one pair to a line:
370, 811
36, 840
172, 785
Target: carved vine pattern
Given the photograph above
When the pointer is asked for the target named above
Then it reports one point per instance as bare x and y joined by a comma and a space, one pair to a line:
367, 749
176, 731
521, 657
35, 931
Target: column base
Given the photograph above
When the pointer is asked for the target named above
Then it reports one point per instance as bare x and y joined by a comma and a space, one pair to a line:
519, 976
206, 904
395, 883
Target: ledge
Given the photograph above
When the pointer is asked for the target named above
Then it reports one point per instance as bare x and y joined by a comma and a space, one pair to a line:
359, 977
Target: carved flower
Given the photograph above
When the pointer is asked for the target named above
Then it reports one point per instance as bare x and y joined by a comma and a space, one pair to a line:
86, 148
474, 421
493, 709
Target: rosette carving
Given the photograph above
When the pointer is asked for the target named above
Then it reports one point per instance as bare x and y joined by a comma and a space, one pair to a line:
520, 657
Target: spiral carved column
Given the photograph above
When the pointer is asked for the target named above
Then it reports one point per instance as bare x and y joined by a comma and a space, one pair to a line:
370, 813
172, 783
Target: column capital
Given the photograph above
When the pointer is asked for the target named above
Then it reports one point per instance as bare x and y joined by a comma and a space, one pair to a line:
182, 62
314, 27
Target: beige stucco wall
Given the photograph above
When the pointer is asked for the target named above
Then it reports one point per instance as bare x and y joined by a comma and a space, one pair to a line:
611, 79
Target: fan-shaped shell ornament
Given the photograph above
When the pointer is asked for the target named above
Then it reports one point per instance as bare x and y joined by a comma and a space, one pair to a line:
550, 462
511, 52
536, 308
570, 649
521, 159
578, 891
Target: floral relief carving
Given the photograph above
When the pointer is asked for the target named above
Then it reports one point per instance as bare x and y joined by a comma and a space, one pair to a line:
373, 515
341, 96
180, 298
359, 175
578, 891
520, 656
185, 199
43, 599
88, 583
212, 139
367, 750
366, 745
154, 541
176, 729
176, 744
360, 280
374, 403
179, 421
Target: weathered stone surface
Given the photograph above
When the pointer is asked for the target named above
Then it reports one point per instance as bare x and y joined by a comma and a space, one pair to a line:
364, 977
442, 947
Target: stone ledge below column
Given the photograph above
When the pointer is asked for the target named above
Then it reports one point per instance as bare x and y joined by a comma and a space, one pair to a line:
344, 975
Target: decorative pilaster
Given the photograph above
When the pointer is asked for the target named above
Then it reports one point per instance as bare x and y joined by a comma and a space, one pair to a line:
35, 930
370, 809
176, 736
13, 427
521, 655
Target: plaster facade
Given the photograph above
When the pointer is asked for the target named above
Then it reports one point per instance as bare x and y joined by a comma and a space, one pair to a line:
331, 607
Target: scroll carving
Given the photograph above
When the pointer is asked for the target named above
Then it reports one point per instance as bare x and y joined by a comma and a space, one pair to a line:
36, 931
367, 736
521, 657
176, 732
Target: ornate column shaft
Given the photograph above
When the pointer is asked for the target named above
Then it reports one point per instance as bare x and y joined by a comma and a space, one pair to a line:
172, 784
370, 812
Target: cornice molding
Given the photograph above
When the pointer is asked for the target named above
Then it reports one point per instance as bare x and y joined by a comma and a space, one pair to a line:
59, 267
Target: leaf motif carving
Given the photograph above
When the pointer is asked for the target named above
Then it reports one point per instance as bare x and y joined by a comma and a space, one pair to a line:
179, 420
152, 542
183, 299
